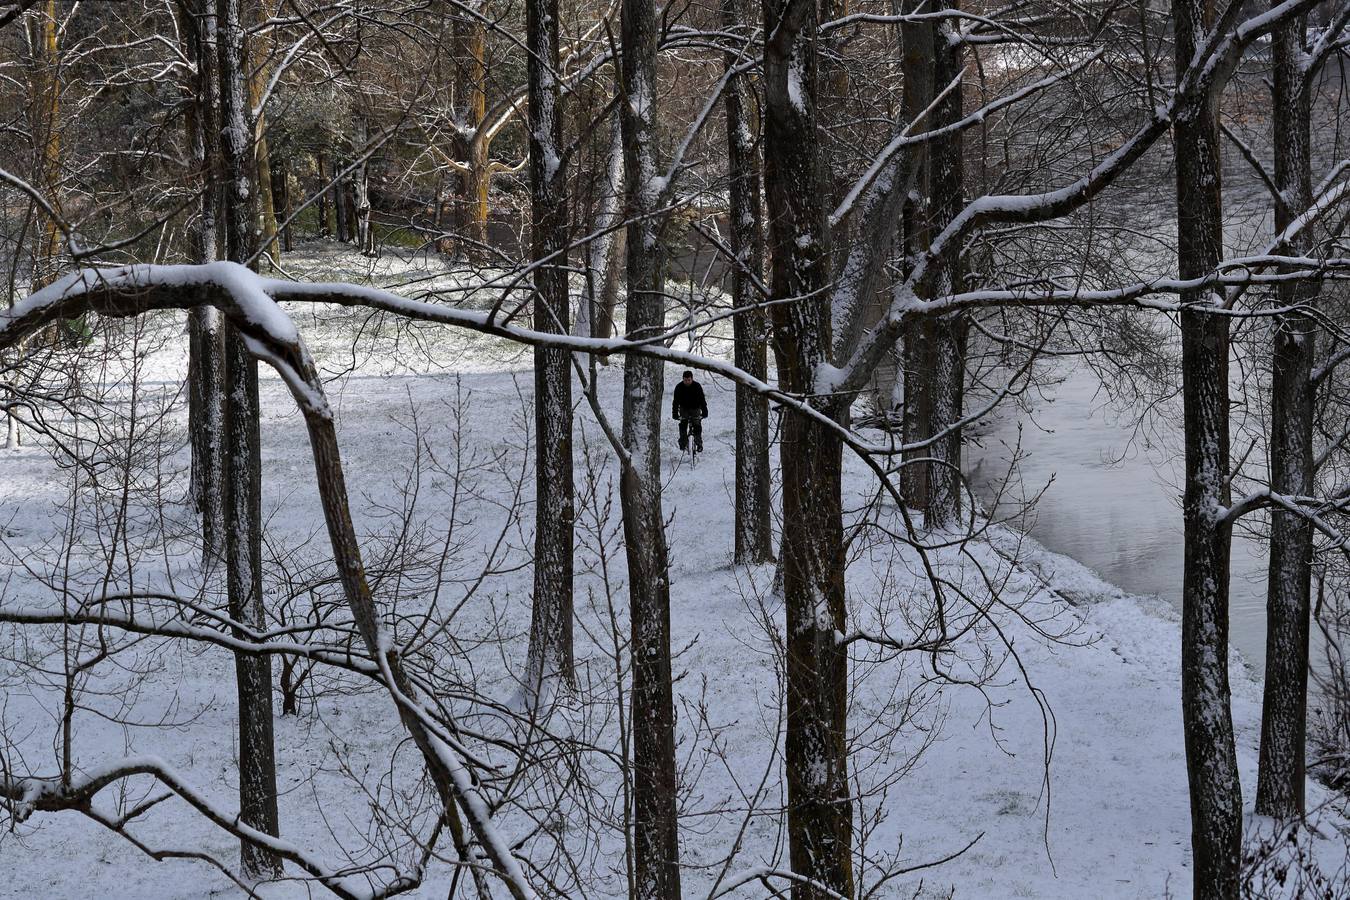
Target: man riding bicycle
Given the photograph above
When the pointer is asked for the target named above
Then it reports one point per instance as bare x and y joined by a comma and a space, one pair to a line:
689, 407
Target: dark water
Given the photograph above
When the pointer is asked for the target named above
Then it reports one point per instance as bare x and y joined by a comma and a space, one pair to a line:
1112, 504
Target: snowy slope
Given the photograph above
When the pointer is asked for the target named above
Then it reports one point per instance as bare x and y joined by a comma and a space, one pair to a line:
1118, 819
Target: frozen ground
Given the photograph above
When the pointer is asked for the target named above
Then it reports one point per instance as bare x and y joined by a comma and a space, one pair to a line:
1111, 820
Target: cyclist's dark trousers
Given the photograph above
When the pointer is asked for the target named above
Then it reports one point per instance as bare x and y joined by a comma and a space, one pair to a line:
691, 424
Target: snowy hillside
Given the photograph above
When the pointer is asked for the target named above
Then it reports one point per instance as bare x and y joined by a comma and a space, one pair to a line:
1056, 771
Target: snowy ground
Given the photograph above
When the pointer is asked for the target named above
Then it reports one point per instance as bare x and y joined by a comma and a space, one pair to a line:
1111, 821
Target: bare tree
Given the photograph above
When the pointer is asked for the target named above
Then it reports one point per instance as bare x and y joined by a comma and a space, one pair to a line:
1211, 760
820, 820
550, 654
206, 361
1284, 712
656, 844
242, 500
754, 522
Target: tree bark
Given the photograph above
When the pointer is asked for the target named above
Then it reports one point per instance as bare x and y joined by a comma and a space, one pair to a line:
243, 467
45, 122
605, 255
279, 174
364, 233
253, 674
266, 207
754, 523
919, 355
1284, 713
470, 144
1211, 763
206, 348
947, 276
820, 815
655, 825
328, 226
341, 229
550, 654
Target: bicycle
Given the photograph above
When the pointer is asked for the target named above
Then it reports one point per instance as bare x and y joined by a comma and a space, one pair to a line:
691, 435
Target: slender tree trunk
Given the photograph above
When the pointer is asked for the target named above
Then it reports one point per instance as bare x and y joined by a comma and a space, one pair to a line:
206, 348
340, 227
243, 469
820, 816
1284, 714
353, 210
266, 207
655, 826
754, 523
267, 215
606, 253
279, 175
44, 122
605, 323
1211, 763
471, 145
550, 655
46, 128
364, 234
327, 201
253, 675
948, 277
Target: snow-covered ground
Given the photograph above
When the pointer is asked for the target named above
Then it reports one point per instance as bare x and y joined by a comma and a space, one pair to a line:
1111, 818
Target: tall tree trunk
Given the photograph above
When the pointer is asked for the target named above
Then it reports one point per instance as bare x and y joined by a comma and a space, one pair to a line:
206, 348
1284, 713
655, 826
605, 254
754, 523
279, 175
267, 215
920, 337
947, 277
45, 122
550, 655
364, 233
470, 144
820, 816
1211, 763
243, 469
327, 200
340, 227
266, 208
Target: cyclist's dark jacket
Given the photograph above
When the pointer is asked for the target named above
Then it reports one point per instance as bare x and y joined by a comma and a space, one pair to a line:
688, 398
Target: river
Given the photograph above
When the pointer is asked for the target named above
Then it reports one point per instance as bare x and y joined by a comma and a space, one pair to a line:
1112, 503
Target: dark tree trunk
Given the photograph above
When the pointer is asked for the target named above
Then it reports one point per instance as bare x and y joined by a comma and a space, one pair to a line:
363, 233
754, 522
920, 337
353, 204
243, 468
253, 674
550, 654
947, 276
279, 173
206, 360
340, 229
327, 208
820, 815
1211, 763
655, 826
605, 255
470, 143
1284, 713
